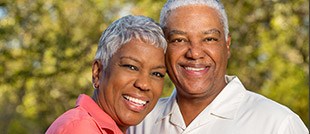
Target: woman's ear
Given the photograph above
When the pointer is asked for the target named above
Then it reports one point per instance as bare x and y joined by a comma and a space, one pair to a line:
96, 73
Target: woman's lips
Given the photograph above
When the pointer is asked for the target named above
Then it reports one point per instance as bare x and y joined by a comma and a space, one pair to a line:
135, 104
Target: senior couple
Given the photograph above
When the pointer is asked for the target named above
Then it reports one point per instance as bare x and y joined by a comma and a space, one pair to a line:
128, 72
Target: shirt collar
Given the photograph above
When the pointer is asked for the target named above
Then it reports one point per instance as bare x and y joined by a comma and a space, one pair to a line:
172, 111
102, 118
170, 106
224, 106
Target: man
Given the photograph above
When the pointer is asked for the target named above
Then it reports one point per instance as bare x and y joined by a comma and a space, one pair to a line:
206, 101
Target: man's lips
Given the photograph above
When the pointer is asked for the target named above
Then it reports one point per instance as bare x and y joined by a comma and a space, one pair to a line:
195, 70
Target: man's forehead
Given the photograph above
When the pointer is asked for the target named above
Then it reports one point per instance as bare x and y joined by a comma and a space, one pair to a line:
182, 32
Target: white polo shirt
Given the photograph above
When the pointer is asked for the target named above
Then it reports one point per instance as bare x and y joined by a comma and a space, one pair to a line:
234, 111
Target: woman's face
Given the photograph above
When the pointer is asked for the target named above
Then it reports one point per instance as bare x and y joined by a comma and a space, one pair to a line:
132, 82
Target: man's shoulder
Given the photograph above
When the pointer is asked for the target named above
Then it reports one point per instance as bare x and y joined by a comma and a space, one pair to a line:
257, 103
163, 101
160, 106
163, 106
267, 115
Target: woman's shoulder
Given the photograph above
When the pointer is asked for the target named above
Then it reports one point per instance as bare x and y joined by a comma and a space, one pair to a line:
75, 120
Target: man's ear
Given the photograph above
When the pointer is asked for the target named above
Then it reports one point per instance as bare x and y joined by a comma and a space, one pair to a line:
97, 69
228, 43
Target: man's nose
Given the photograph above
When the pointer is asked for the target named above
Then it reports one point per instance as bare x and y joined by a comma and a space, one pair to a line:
195, 51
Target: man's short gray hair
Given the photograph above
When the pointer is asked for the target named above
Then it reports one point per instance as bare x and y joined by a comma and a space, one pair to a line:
215, 4
123, 31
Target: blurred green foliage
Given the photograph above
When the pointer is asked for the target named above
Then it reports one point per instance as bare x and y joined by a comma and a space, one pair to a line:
47, 48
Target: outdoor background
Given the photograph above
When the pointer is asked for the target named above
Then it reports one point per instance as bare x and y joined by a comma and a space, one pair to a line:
47, 48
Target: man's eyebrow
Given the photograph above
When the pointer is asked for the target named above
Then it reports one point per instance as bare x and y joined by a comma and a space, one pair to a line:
212, 31
172, 32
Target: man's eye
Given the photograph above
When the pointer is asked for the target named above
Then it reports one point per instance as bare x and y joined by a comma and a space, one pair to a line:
177, 40
210, 39
131, 67
158, 74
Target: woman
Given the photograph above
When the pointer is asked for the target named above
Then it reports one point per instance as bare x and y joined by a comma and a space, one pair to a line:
128, 77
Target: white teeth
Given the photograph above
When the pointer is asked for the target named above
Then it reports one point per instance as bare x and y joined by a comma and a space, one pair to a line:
135, 100
194, 69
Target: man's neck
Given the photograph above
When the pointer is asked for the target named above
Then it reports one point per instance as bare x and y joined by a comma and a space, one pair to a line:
191, 108
192, 105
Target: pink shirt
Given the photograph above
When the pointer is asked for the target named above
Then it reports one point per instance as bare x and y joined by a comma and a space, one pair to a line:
86, 118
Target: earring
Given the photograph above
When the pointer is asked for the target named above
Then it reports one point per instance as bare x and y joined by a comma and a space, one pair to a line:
95, 86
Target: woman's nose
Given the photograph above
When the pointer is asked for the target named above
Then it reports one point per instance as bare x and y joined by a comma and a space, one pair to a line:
143, 83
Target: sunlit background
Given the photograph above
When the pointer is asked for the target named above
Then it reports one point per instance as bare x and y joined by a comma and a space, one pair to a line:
47, 48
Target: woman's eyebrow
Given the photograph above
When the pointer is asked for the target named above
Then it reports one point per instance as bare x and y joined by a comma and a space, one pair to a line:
130, 58
160, 67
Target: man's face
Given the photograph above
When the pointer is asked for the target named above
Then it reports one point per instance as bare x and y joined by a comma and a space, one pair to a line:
132, 83
197, 53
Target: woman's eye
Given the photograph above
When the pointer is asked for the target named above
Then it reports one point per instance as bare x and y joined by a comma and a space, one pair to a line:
158, 74
131, 67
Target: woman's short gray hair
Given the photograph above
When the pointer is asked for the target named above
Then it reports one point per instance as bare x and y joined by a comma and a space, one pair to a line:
215, 4
124, 30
